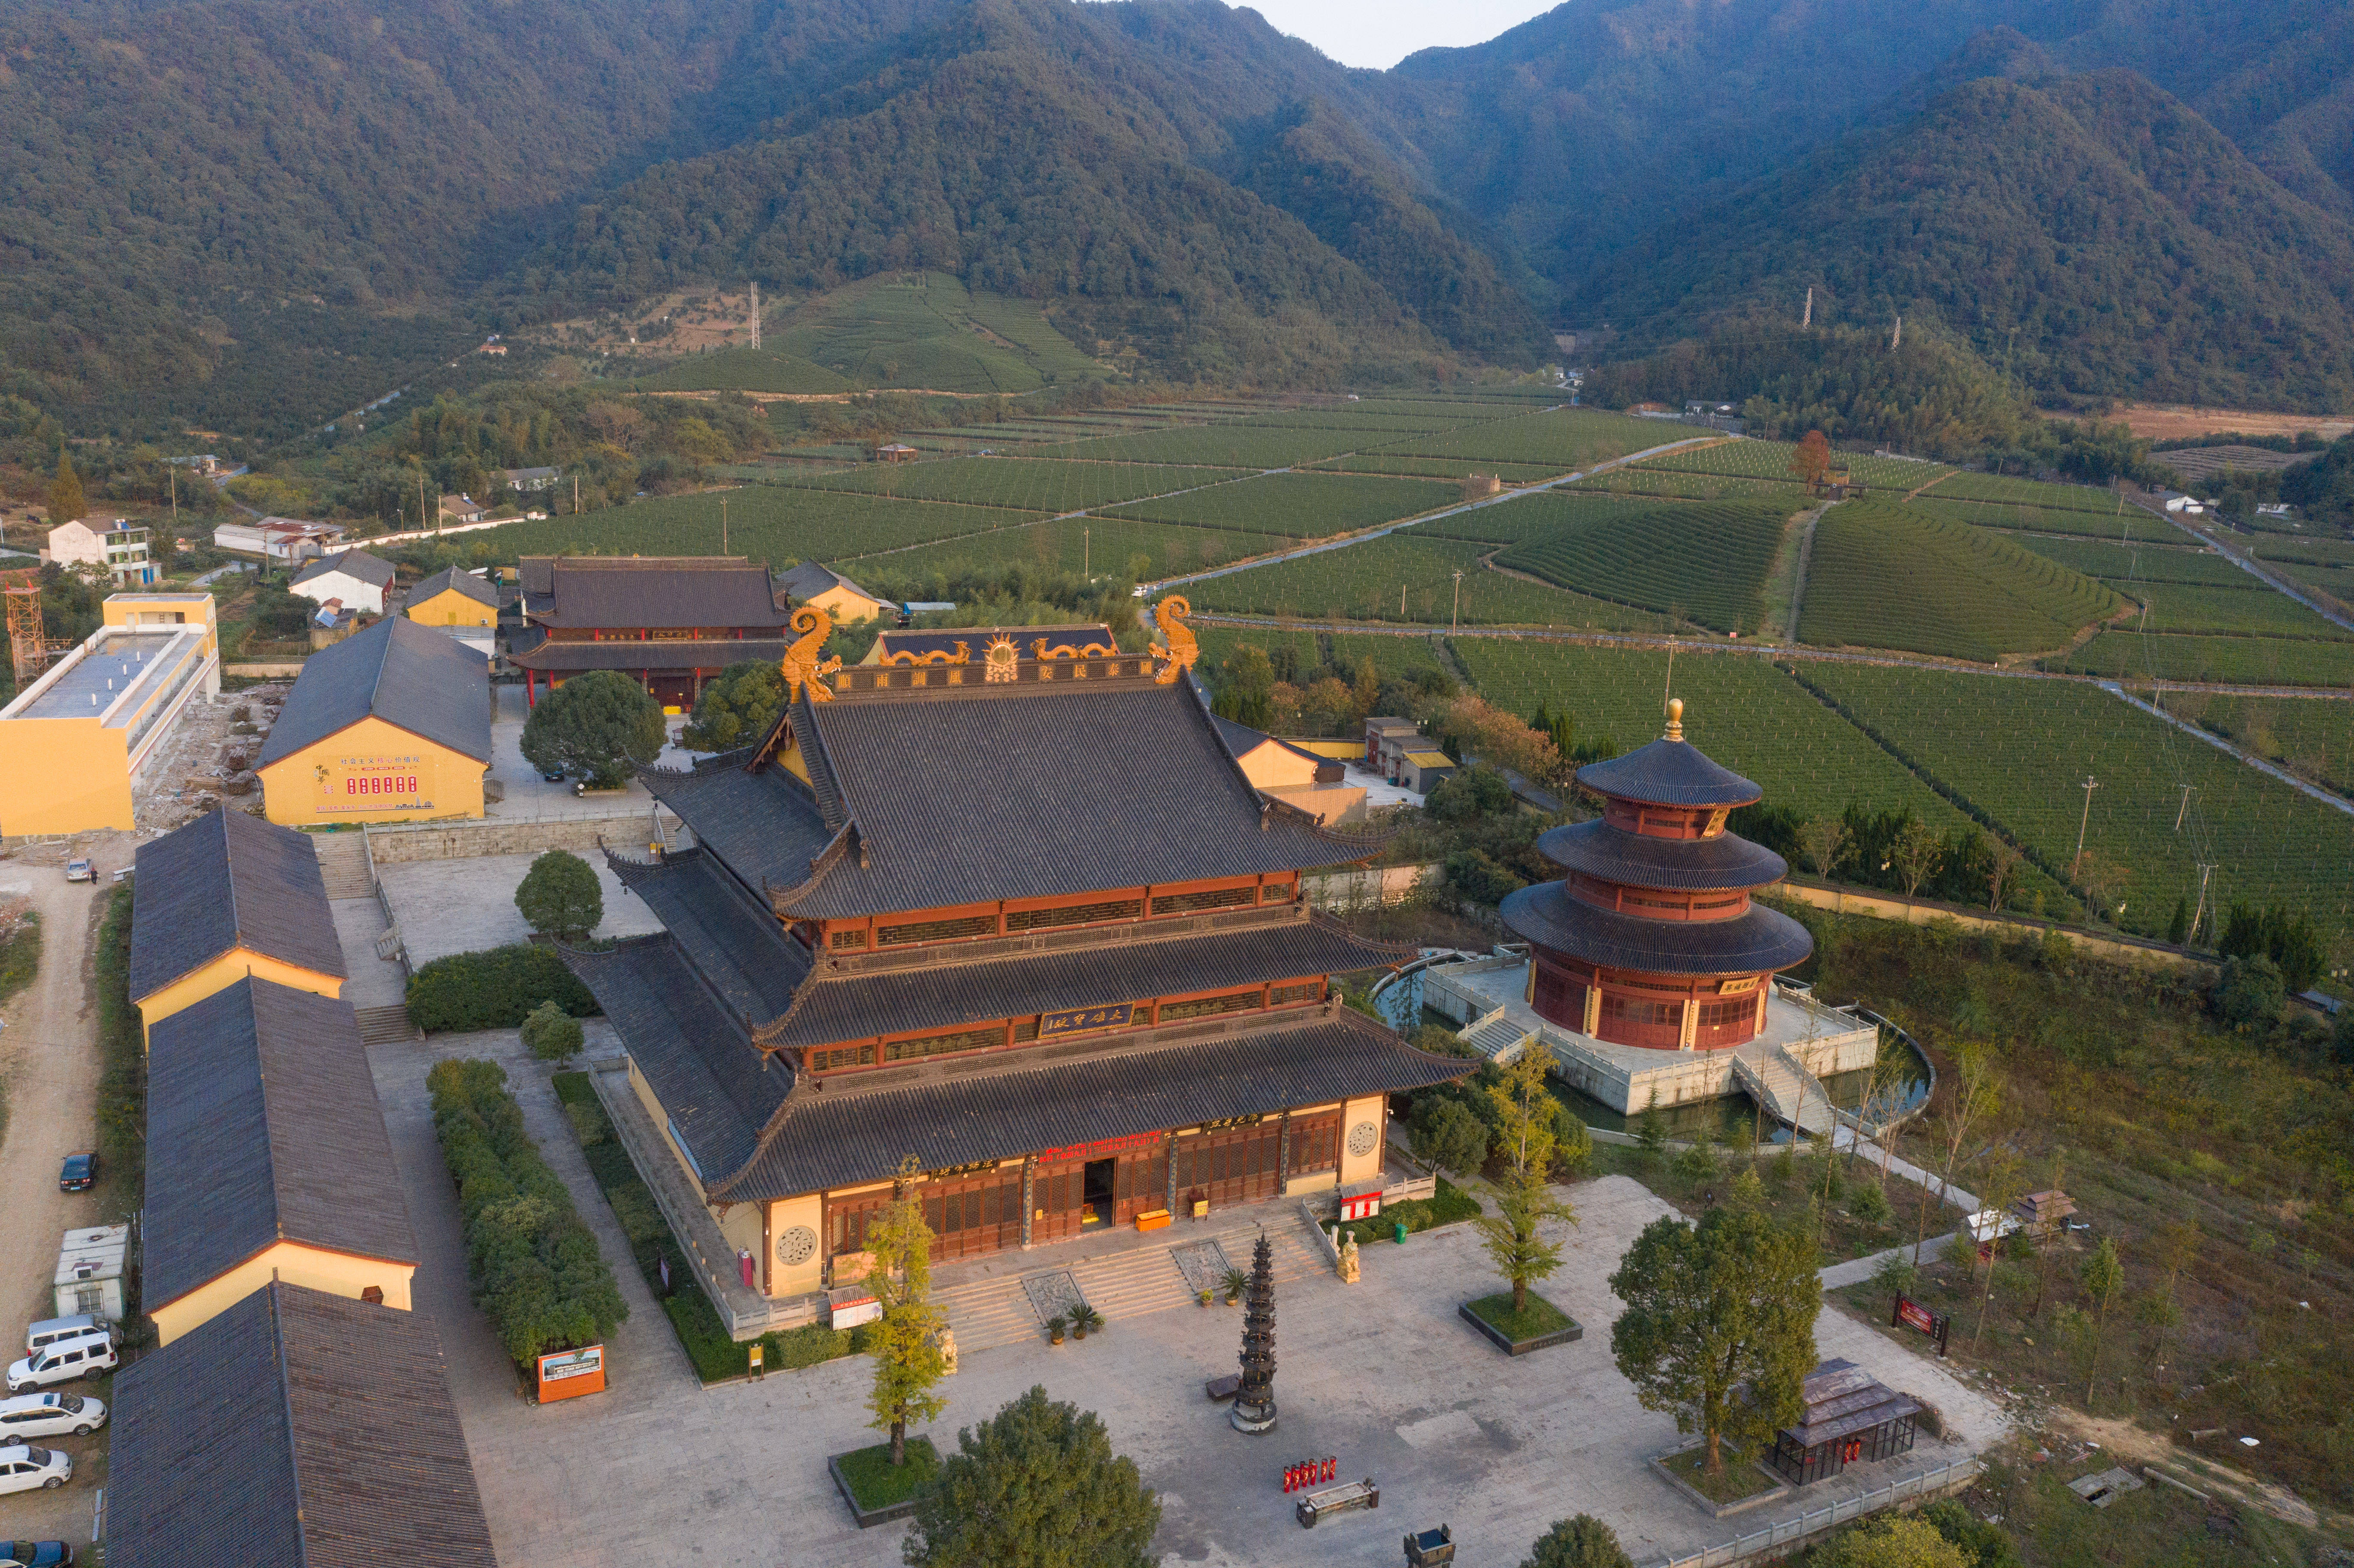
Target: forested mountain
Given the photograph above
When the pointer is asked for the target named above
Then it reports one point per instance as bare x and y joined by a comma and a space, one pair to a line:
2087, 233
253, 215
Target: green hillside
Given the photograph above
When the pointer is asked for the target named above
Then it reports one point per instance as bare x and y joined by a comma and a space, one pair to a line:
1705, 562
1888, 577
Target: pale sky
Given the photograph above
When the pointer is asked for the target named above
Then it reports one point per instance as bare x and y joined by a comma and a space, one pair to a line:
1380, 33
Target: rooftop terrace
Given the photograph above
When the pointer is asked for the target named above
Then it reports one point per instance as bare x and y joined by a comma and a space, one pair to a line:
92, 680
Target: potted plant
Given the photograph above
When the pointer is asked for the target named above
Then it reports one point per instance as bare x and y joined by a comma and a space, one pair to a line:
1088, 1321
1236, 1281
1054, 1331
1205, 1298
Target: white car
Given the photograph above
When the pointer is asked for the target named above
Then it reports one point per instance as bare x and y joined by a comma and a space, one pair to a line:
48, 1415
62, 1362
23, 1467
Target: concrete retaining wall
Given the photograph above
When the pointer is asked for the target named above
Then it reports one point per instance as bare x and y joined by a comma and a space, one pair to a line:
397, 844
1385, 884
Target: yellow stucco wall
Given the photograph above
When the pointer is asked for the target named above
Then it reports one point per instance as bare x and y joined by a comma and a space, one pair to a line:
845, 607
150, 611
786, 1214
222, 973
371, 771
450, 608
1355, 1168
1271, 766
336, 1272
645, 1092
63, 776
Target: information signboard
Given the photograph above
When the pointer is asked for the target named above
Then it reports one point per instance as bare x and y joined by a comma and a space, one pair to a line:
1911, 1314
567, 1374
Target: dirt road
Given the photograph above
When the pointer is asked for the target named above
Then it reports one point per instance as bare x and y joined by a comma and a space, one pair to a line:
48, 1059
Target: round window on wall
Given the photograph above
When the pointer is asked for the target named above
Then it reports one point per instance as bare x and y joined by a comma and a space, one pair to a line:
1362, 1139
796, 1247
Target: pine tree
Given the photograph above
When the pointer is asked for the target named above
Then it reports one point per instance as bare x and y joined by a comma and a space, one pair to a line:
1253, 1408
66, 502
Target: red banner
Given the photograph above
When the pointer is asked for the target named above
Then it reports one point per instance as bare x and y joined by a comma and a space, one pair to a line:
1918, 1316
1109, 1147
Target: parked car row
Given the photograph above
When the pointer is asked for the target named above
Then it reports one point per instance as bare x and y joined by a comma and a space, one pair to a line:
61, 1349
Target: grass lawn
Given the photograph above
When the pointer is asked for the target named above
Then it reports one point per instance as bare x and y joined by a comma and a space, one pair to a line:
1795, 1194
1738, 1480
1451, 1204
876, 1484
702, 1336
1541, 1316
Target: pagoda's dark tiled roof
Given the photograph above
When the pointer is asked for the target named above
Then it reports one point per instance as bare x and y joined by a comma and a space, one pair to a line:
767, 826
1052, 1097
1668, 773
700, 654
228, 880
408, 675
733, 940
947, 993
296, 1429
1760, 940
264, 1127
1613, 854
972, 794
648, 591
709, 1075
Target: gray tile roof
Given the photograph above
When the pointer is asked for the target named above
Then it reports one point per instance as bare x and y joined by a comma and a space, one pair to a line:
464, 582
811, 579
1760, 940
733, 939
650, 591
1045, 799
353, 563
264, 1127
699, 654
1613, 854
228, 880
1056, 1096
717, 1087
294, 1430
767, 826
1668, 773
408, 675
1138, 963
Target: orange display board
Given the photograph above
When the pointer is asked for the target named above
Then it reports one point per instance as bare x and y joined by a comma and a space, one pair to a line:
567, 1374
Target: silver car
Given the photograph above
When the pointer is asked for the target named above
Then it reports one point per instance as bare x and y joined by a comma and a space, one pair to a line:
48, 1415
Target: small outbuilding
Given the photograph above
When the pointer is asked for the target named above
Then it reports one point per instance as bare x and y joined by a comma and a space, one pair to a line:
1294, 774
90, 1272
1420, 771
1852, 1418
267, 1158
227, 896
392, 725
296, 1429
829, 590
451, 598
354, 576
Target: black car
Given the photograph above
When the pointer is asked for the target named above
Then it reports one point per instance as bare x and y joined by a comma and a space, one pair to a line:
553, 776
80, 1171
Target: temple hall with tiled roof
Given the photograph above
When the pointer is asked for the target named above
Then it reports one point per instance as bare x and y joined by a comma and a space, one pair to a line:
942, 913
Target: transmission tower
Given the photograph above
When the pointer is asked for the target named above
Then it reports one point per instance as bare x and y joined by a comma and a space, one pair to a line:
755, 313
26, 650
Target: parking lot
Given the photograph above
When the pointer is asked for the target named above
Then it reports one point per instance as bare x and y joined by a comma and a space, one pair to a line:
1382, 1375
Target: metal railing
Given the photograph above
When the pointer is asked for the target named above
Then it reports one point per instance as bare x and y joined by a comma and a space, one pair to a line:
1814, 1521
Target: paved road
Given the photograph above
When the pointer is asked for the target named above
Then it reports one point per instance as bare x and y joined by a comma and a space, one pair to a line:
49, 1061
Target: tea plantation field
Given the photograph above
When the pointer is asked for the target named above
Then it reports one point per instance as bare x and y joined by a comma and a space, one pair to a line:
1527, 516
2118, 565
1300, 505
1771, 460
1886, 577
2129, 524
1366, 582
1098, 545
2254, 610
768, 523
2226, 660
1027, 484
1705, 562
1565, 438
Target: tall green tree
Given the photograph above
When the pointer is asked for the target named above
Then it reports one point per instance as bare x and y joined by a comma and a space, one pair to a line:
559, 897
2104, 1279
1728, 1304
1584, 1541
736, 708
66, 502
601, 725
1035, 1486
908, 1365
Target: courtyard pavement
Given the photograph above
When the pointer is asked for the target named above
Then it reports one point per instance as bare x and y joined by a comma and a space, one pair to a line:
1381, 1375
528, 796
466, 904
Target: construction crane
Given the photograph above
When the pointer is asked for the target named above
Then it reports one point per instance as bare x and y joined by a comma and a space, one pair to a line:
28, 650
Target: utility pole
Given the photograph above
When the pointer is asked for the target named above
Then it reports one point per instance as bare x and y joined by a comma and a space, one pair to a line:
1898, 336
723, 521
1808, 319
1456, 615
576, 495
2184, 809
2205, 871
1086, 555
1401, 601
756, 312
2090, 785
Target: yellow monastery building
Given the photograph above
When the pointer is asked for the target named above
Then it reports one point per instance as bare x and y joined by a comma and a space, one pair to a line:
390, 725
451, 598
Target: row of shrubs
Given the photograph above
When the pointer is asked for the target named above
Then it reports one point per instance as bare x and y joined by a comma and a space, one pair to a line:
494, 989
532, 1261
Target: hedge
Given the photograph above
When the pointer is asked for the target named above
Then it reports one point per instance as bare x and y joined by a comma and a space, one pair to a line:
532, 1261
494, 989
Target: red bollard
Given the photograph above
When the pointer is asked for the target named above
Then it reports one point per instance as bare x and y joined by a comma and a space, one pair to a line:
1331, 1464
1290, 1479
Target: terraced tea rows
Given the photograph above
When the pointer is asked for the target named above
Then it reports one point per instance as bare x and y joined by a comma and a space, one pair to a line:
1705, 563
2118, 565
2117, 526
2003, 487
2019, 751
2314, 736
1221, 446
1771, 460
766, 522
1571, 438
1669, 483
1436, 468
1027, 484
1526, 516
1301, 505
1368, 581
1886, 577
1097, 545
2254, 610
2222, 661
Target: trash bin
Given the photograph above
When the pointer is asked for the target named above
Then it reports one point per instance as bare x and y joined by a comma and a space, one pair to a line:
1401, 1233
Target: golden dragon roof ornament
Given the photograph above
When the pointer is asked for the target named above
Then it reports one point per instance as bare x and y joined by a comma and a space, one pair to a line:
1181, 648
801, 664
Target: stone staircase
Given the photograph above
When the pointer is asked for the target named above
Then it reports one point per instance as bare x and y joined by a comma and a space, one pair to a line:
385, 1026
1496, 1036
344, 863
1789, 1094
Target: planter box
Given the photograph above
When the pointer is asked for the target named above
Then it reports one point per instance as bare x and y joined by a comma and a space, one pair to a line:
1775, 1493
867, 1518
1512, 1347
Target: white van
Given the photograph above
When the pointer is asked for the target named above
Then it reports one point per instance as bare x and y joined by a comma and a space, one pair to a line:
62, 1362
80, 1326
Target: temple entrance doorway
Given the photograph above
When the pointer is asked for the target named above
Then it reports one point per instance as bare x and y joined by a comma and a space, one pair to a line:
1099, 1194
